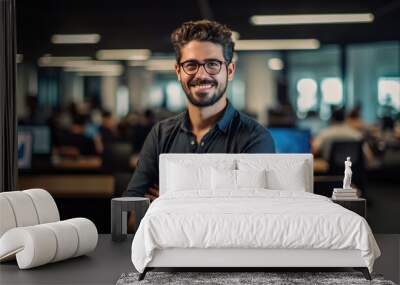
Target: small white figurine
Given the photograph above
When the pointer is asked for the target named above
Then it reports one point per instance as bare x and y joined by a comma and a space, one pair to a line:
347, 174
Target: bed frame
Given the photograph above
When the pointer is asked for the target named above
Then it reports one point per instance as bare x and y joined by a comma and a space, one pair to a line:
242, 259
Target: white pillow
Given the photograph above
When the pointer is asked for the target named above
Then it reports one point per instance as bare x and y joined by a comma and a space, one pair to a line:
223, 179
281, 174
183, 177
193, 174
251, 178
295, 181
236, 179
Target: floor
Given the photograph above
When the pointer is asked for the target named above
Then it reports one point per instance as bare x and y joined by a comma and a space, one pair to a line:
389, 262
383, 206
103, 266
110, 260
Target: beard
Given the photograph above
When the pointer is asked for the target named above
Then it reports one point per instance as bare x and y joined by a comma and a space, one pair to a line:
204, 99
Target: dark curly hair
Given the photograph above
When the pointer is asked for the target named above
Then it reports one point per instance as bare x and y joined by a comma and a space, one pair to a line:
203, 30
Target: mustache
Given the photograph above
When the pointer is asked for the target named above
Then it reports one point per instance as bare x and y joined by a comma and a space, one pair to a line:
195, 82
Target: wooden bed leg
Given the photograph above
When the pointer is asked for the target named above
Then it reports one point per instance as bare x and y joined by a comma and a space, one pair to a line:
143, 274
365, 272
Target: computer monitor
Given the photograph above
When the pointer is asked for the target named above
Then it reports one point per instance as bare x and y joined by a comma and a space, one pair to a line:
24, 149
290, 140
41, 138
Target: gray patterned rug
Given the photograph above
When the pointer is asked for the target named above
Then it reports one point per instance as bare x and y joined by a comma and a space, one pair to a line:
230, 278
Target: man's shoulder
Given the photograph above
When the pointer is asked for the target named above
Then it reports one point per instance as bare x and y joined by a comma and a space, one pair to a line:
254, 137
170, 121
248, 123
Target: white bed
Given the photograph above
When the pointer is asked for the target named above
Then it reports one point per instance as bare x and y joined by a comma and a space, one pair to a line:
247, 210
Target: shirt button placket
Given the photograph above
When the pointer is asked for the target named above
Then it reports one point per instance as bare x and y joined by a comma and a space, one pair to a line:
193, 145
201, 147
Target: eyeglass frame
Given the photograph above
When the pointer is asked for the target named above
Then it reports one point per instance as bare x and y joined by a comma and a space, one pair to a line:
203, 65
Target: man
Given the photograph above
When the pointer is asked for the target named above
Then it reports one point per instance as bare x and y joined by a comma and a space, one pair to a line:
204, 51
108, 128
337, 131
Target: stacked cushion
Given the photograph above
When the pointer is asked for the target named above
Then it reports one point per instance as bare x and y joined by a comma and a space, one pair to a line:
31, 231
26, 208
41, 244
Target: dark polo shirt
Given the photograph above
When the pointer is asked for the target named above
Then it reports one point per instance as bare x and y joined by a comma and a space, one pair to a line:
235, 132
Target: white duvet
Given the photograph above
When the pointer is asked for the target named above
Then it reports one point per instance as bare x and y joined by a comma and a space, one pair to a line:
252, 218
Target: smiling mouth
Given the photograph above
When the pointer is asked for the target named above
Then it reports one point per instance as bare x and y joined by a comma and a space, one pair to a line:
202, 88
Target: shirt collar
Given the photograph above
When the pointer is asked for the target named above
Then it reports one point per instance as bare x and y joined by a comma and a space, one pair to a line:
185, 126
226, 118
222, 123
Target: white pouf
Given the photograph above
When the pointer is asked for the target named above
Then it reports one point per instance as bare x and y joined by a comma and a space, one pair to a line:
31, 233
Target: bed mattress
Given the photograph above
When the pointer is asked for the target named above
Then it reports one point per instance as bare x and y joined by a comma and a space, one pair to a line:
250, 219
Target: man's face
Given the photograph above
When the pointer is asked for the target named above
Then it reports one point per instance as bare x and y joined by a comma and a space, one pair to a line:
201, 88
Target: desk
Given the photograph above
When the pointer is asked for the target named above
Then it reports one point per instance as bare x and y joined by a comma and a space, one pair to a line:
92, 162
71, 185
102, 266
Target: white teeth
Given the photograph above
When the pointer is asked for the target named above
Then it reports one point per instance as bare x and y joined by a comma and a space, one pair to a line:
204, 86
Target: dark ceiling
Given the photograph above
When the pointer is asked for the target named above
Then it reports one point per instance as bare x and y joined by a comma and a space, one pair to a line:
148, 24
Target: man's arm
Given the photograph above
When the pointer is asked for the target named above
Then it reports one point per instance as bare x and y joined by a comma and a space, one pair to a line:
146, 173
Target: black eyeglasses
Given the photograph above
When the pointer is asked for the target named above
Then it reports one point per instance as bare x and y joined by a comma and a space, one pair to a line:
212, 67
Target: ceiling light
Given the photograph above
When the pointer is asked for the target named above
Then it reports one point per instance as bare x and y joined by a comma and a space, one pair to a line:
156, 64
101, 74
277, 44
83, 63
164, 64
75, 39
311, 19
59, 61
123, 54
275, 64
99, 68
